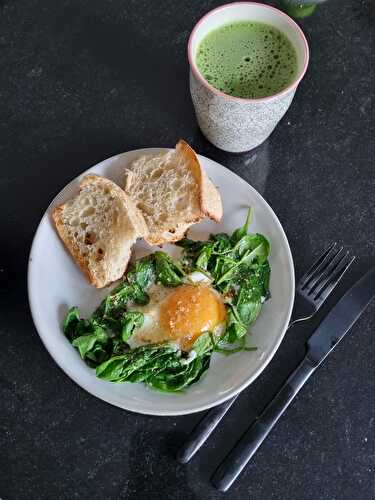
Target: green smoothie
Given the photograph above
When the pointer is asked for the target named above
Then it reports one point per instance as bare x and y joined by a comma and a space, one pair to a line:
247, 59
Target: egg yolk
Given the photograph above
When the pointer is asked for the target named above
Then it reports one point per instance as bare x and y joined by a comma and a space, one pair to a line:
189, 311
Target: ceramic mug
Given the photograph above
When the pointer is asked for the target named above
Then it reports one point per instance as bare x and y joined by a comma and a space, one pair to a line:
300, 8
232, 123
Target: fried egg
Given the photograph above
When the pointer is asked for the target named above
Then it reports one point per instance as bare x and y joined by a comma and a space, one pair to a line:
180, 315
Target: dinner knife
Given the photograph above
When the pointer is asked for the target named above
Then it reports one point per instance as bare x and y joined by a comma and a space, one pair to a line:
325, 338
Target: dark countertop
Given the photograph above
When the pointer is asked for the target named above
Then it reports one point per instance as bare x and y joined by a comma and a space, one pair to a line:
83, 80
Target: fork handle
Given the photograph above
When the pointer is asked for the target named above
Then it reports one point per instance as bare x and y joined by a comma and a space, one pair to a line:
239, 456
203, 430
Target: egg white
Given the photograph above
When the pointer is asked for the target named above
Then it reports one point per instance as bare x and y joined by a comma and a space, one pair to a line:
151, 331
197, 277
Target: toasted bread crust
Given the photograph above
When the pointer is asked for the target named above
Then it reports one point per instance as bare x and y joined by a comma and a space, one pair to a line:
179, 234
72, 246
210, 199
167, 224
124, 223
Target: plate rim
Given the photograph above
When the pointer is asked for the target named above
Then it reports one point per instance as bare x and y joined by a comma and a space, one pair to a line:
113, 401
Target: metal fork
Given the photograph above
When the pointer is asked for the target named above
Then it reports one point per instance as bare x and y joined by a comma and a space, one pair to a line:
318, 282
312, 290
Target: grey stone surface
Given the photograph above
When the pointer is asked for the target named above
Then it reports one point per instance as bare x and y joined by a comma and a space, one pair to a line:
82, 80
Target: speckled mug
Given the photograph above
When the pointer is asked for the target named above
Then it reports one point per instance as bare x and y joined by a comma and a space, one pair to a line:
232, 123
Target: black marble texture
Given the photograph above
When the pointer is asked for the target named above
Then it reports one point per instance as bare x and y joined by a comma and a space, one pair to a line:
82, 80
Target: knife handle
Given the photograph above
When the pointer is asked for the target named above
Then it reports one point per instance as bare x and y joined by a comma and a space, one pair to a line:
206, 426
239, 456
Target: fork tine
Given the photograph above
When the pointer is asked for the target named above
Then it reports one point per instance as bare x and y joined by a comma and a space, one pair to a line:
326, 272
330, 283
317, 265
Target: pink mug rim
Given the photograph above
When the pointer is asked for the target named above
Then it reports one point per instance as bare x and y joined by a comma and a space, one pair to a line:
287, 89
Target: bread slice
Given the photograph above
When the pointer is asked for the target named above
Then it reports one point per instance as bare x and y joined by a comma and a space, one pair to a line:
173, 192
99, 227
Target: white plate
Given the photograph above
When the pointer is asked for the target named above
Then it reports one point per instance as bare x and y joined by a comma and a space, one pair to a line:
55, 283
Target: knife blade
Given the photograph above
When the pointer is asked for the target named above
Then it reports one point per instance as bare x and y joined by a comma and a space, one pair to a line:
325, 338
341, 318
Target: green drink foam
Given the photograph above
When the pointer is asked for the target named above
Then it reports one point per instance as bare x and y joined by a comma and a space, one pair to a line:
247, 59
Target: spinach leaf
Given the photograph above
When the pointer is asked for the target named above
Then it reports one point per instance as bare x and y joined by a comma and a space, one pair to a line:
112, 368
263, 273
189, 245
71, 322
129, 322
119, 347
168, 272
228, 349
249, 249
113, 306
139, 296
250, 242
159, 366
142, 272
120, 368
97, 355
86, 343
203, 344
259, 251
248, 304
73, 326
196, 254
235, 327
223, 244
204, 256
163, 363
176, 379
242, 231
